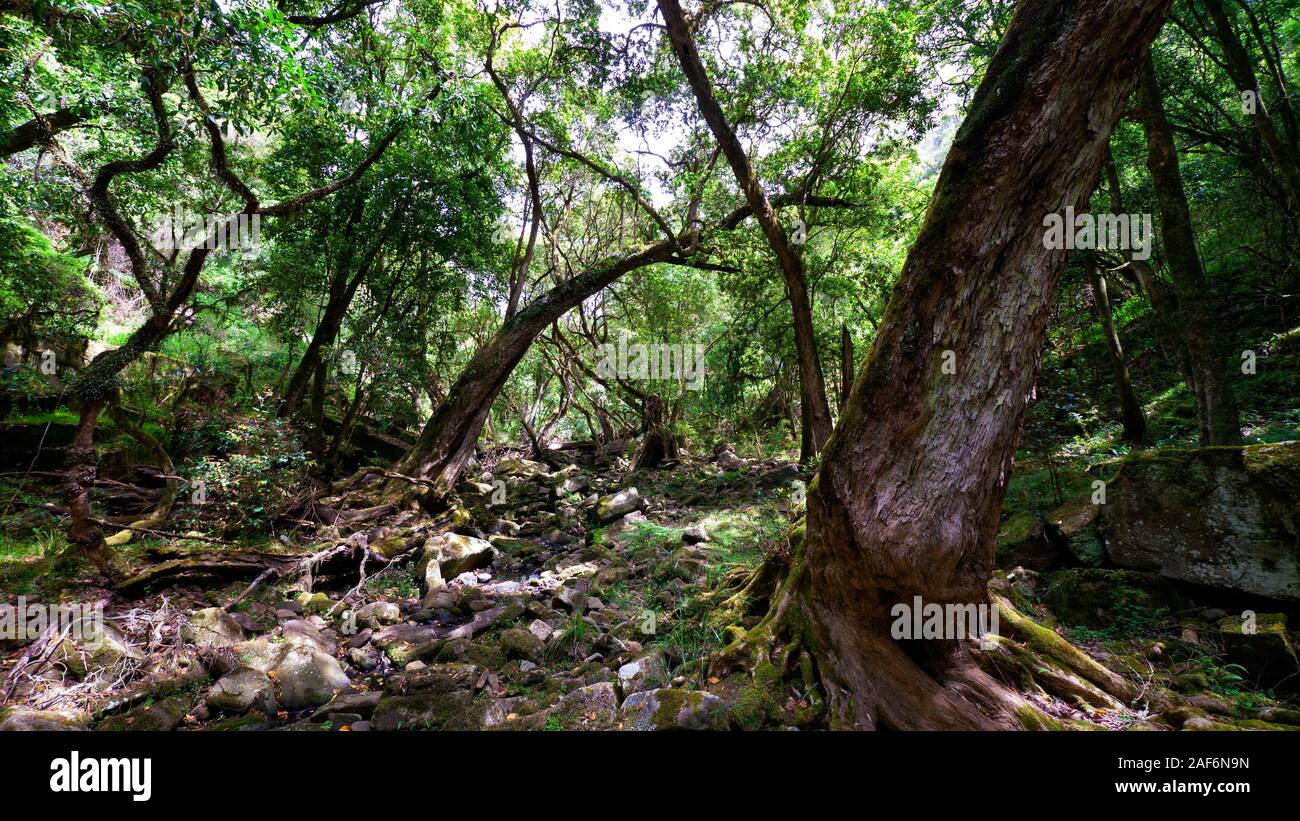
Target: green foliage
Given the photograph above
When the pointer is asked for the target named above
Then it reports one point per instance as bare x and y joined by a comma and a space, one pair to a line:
44, 294
250, 489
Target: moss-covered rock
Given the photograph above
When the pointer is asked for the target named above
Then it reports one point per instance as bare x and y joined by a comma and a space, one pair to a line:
1260, 644
162, 716
616, 505
1224, 517
1072, 529
669, 709
518, 643
212, 627
428, 711
94, 648
594, 707
447, 555
1023, 542
241, 690
21, 719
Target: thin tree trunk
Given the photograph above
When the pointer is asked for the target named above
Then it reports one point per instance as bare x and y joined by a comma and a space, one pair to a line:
1215, 409
816, 412
1164, 305
1242, 71
907, 500
1131, 416
343, 289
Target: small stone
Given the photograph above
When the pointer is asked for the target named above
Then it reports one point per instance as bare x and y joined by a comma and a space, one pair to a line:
540, 629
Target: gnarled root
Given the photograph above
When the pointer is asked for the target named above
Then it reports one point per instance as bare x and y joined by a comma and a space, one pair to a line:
808, 664
158, 516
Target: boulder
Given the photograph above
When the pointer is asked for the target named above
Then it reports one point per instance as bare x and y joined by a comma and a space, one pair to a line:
405, 643
299, 633
450, 554
241, 690
1261, 645
1023, 541
1224, 517
694, 534
160, 717
594, 707
523, 468
669, 709
212, 627
518, 643
99, 646
438, 697
307, 677
378, 614
729, 461
431, 710
616, 505
21, 719
571, 598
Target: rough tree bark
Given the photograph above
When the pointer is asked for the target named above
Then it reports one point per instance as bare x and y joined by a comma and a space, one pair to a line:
1216, 411
908, 496
659, 444
32, 132
1130, 409
815, 409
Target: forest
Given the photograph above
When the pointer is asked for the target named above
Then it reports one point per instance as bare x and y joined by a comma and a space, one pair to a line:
490, 365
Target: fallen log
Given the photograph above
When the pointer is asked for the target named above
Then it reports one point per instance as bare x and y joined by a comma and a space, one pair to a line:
207, 565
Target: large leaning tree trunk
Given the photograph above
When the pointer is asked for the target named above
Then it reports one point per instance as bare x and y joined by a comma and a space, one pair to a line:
447, 441
815, 410
1207, 374
846, 364
448, 438
906, 502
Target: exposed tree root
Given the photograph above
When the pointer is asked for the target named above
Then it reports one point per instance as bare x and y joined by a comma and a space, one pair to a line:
158, 516
797, 646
